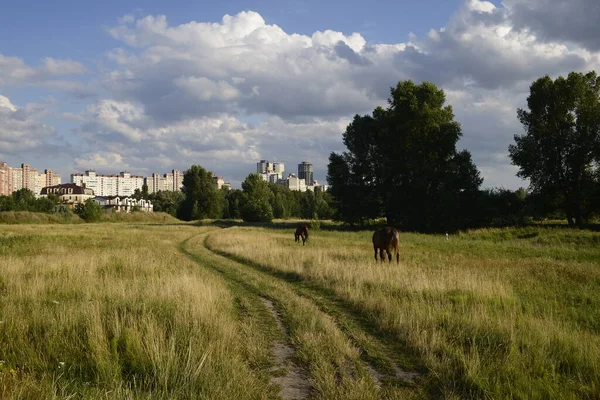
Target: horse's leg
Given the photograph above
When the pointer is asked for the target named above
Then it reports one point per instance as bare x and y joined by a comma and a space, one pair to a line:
375, 250
381, 255
303, 239
389, 254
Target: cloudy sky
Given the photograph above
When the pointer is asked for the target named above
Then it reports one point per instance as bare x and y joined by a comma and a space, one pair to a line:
154, 86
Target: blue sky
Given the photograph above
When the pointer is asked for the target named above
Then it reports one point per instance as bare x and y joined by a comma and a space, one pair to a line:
149, 87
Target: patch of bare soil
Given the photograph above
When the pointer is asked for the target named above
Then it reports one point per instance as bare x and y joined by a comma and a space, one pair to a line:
286, 374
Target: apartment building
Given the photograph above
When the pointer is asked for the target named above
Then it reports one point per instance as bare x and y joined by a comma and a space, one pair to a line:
171, 182
305, 171
123, 184
25, 177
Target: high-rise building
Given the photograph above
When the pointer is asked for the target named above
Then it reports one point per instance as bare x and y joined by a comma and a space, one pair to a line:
123, 184
278, 168
25, 177
305, 171
263, 167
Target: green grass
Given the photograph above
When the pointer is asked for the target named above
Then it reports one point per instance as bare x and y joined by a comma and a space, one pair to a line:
142, 309
493, 313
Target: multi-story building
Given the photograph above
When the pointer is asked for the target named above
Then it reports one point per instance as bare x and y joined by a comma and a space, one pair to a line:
294, 182
68, 193
279, 168
171, 182
270, 172
263, 167
48, 178
305, 171
6, 183
25, 177
123, 184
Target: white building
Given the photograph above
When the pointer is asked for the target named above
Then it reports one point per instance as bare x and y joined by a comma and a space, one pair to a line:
124, 203
295, 183
123, 184
171, 182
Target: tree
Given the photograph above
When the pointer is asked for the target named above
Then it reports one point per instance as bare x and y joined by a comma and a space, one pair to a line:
137, 194
256, 205
402, 163
166, 201
234, 200
145, 193
560, 149
202, 198
24, 200
90, 211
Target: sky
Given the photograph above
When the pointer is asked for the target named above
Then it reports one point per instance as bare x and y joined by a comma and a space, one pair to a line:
153, 86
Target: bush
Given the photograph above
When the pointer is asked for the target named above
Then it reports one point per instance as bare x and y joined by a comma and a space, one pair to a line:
90, 211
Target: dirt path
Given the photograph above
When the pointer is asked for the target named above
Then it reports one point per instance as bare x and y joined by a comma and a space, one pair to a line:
286, 374
381, 354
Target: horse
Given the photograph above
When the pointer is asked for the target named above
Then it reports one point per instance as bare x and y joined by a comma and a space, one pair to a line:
386, 239
301, 232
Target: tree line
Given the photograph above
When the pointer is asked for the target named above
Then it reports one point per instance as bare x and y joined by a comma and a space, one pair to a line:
257, 201
402, 163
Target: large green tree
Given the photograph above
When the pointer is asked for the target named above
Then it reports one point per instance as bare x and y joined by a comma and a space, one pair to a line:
256, 201
202, 198
560, 149
167, 201
402, 163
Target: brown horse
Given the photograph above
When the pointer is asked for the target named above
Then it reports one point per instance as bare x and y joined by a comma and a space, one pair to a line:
301, 232
386, 239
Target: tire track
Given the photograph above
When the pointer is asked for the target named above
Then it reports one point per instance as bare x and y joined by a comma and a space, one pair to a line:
285, 373
384, 355
379, 352
293, 381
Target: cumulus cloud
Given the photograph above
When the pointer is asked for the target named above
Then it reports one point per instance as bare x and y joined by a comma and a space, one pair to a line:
479, 47
226, 94
51, 75
222, 143
246, 65
21, 130
573, 21
171, 86
14, 71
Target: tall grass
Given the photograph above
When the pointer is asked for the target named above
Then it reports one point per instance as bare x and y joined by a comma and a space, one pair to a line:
115, 311
26, 217
494, 313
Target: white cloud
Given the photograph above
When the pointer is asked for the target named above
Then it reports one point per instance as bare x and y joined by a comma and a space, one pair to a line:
14, 71
21, 130
227, 94
185, 75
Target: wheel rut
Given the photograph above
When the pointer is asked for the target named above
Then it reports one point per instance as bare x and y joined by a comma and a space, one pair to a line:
285, 373
378, 350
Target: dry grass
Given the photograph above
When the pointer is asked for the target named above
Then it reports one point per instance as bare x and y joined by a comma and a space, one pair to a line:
124, 311
493, 313
115, 311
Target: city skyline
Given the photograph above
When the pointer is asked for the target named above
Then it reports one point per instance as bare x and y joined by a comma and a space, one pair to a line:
107, 184
116, 87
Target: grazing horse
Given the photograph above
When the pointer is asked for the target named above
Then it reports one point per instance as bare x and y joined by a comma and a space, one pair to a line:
301, 232
386, 239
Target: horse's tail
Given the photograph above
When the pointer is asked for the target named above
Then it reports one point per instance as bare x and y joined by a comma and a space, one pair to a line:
396, 243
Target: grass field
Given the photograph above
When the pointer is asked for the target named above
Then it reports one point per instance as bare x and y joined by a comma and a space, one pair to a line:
167, 310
